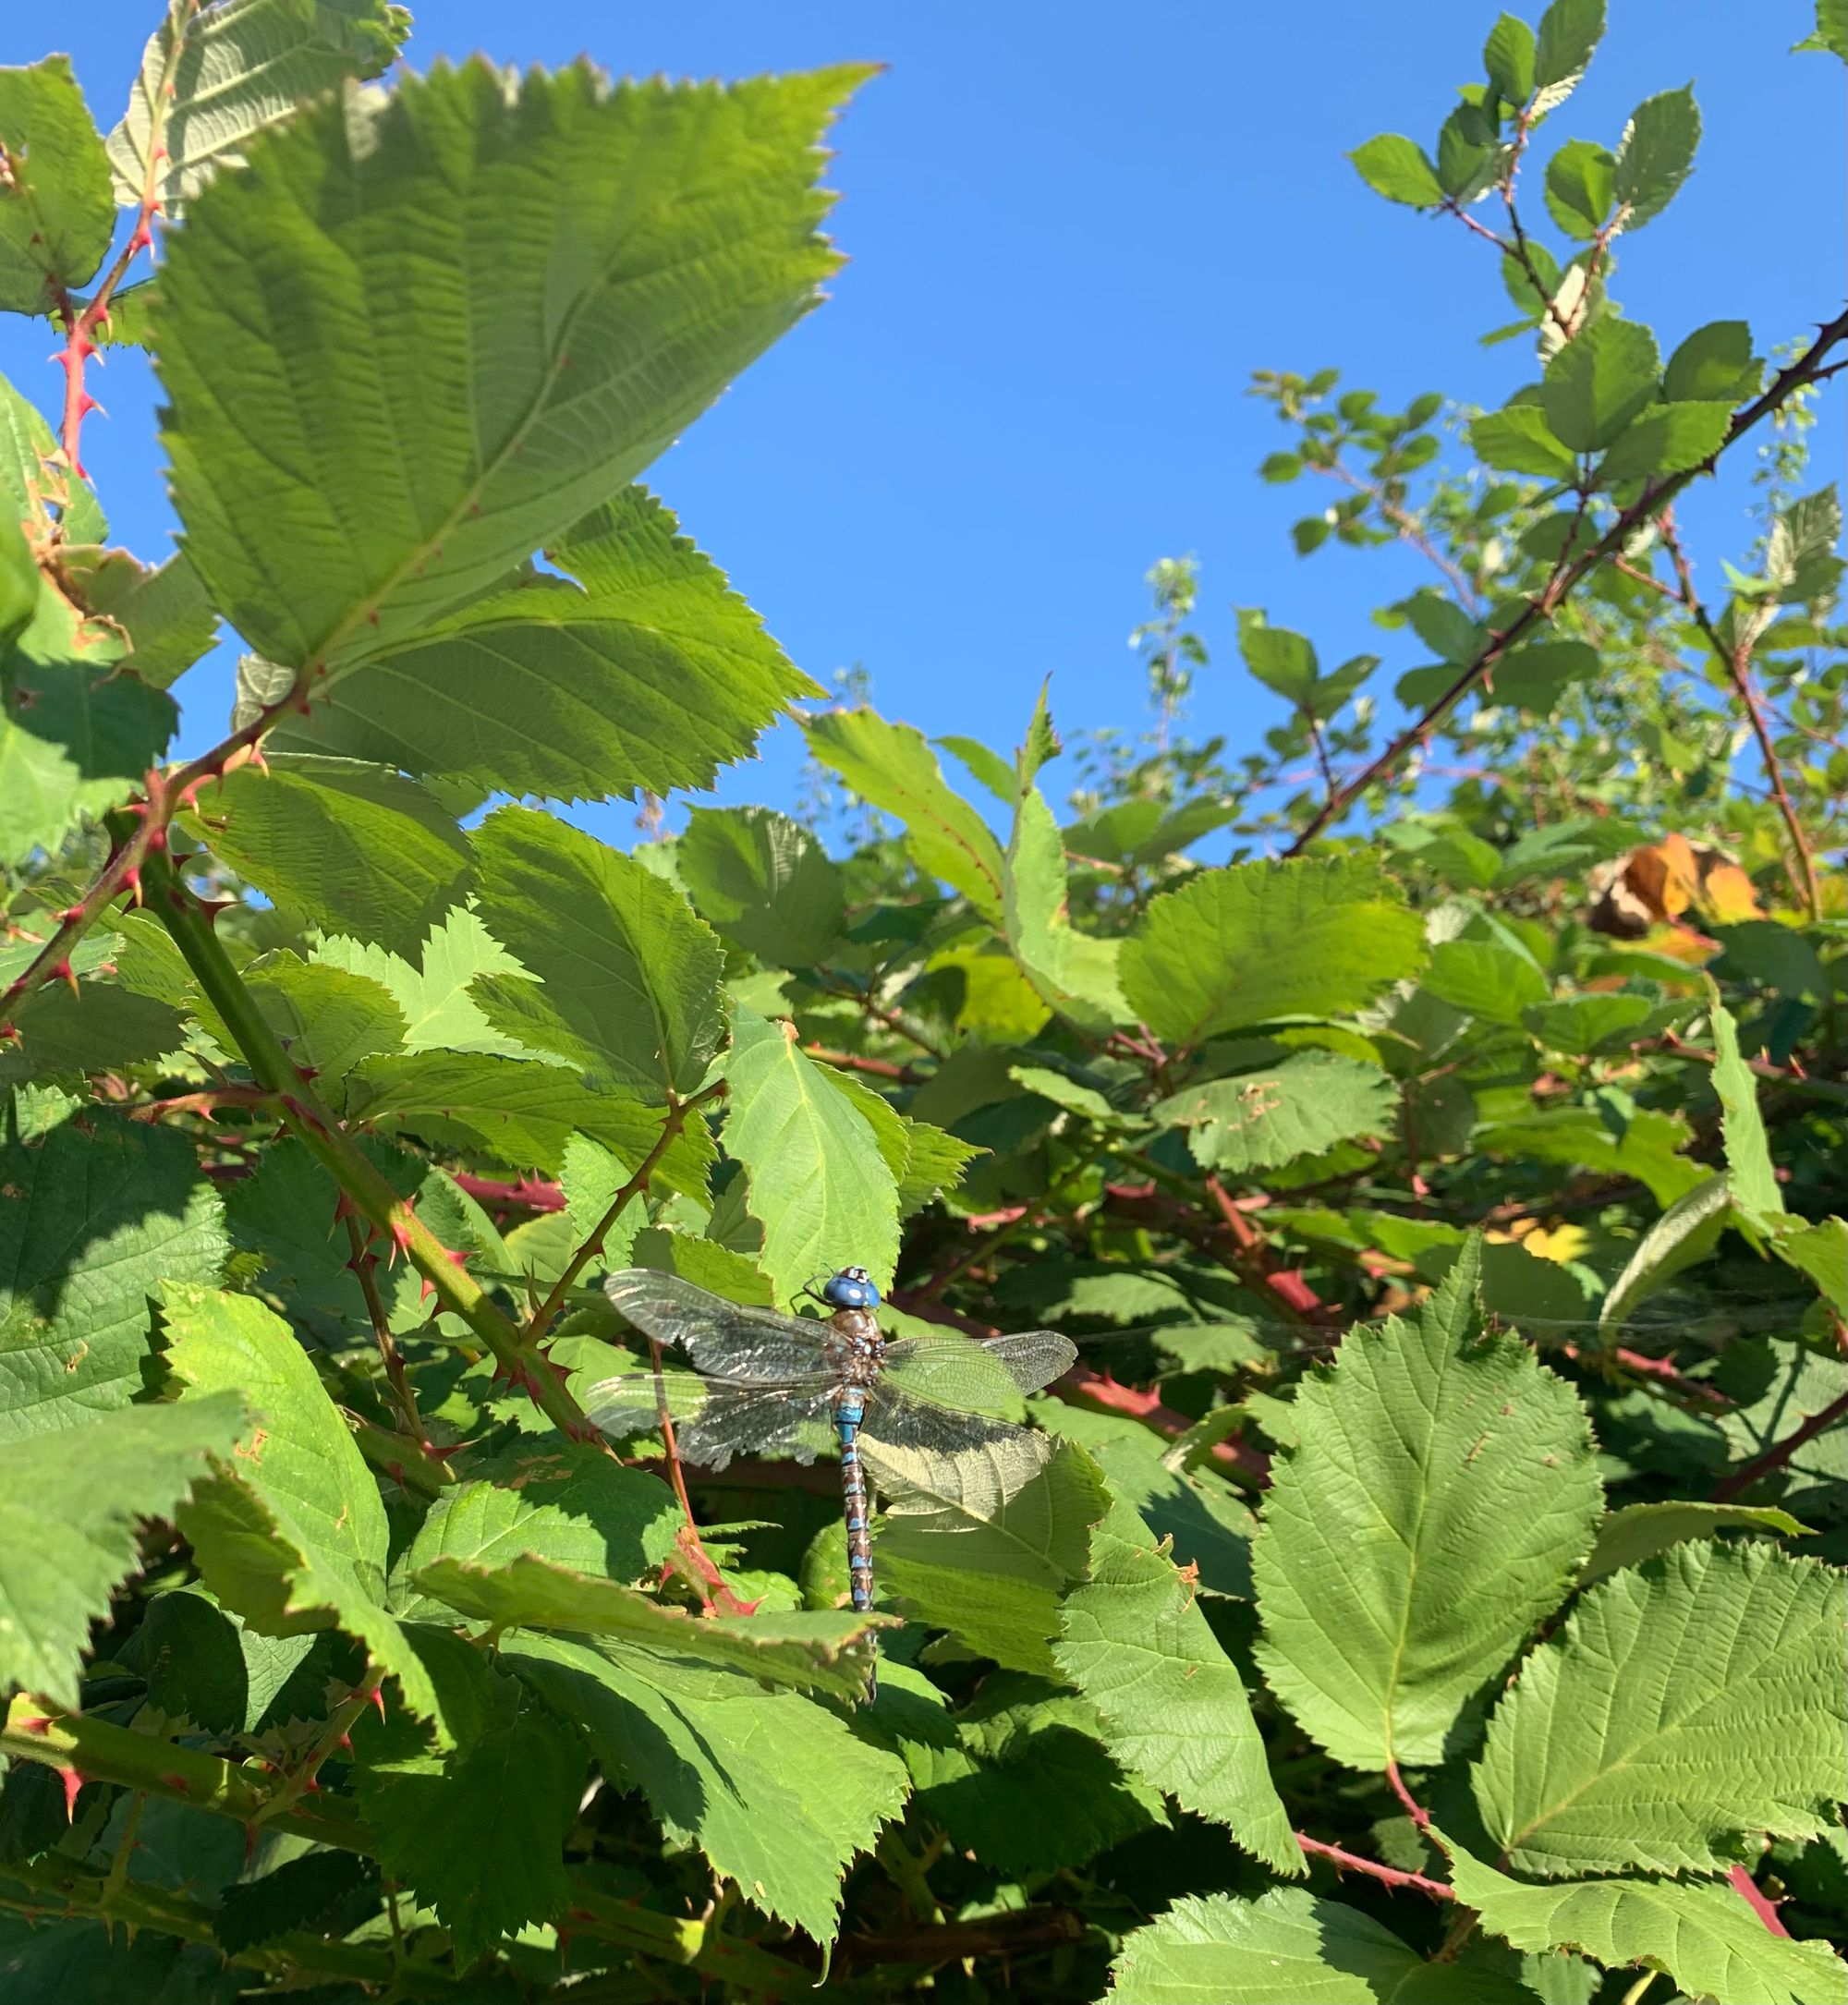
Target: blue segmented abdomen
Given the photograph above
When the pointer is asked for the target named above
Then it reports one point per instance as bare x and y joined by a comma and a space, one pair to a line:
849, 1411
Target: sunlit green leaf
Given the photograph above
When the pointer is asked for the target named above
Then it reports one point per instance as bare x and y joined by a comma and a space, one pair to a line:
353, 457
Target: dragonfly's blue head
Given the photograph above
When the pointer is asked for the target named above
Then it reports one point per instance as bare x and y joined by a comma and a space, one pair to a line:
852, 1288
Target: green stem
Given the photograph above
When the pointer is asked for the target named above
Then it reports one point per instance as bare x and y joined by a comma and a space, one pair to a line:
405, 1462
99, 1752
365, 1186
73, 1890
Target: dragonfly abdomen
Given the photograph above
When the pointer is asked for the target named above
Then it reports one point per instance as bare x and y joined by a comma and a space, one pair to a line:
849, 1411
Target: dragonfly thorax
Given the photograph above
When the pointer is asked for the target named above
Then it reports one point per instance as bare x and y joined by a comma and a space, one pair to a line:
855, 1346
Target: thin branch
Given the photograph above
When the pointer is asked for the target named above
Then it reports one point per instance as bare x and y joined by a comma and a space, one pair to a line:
524, 1194
876, 1012
1737, 662
82, 324
675, 1120
876, 1068
1407, 527
1567, 577
1084, 1387
1755, 1898
701, 1561
1414, 1808
1388, 1876
1779, 1453
364, 1263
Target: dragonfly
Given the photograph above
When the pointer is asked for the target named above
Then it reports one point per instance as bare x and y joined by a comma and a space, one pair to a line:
766, 1383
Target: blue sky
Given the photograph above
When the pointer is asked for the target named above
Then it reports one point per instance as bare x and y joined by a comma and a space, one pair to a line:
1074, 233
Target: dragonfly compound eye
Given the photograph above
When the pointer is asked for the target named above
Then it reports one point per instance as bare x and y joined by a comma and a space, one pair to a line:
852, 1288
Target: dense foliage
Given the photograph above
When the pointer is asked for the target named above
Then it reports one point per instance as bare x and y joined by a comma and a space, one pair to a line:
1427, 1587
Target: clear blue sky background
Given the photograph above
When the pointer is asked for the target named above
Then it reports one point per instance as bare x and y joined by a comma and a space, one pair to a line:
1074, 233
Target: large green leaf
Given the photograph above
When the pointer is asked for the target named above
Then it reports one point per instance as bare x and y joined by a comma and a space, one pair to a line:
1175, 1712
892, 766
353, 456
94, 1221
1646, 1146
777, 1792
69, 1507
291, 1532
985, 1543
1073, 971
1399, 169
1287, 1947
204, 1664
649, 672
1439, 1499
1487, 979
480, 1836
77, 731
517, 1112
1258, 941
212, 76
351, 848
823, 1650
1517, 439
100, 1026
440, 1014
1599, 381
819, 1187
1750, 1176
765, 881
925, 1160
55, 209
1656, 154
1704, 1936
1258, 1120
1023, 1783
625, 977
1667, 438
567, 1502
1569, 32
328, 1020
307, 1892
1689, 1700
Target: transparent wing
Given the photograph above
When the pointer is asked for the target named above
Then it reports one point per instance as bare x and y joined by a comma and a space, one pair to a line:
714, 1418
902, 1422
980, 1377
722, 1338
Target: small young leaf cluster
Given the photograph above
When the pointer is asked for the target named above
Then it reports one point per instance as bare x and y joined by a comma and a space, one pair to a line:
1427, 1585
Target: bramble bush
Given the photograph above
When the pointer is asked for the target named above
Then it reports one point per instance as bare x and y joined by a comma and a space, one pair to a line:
1426, 1588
